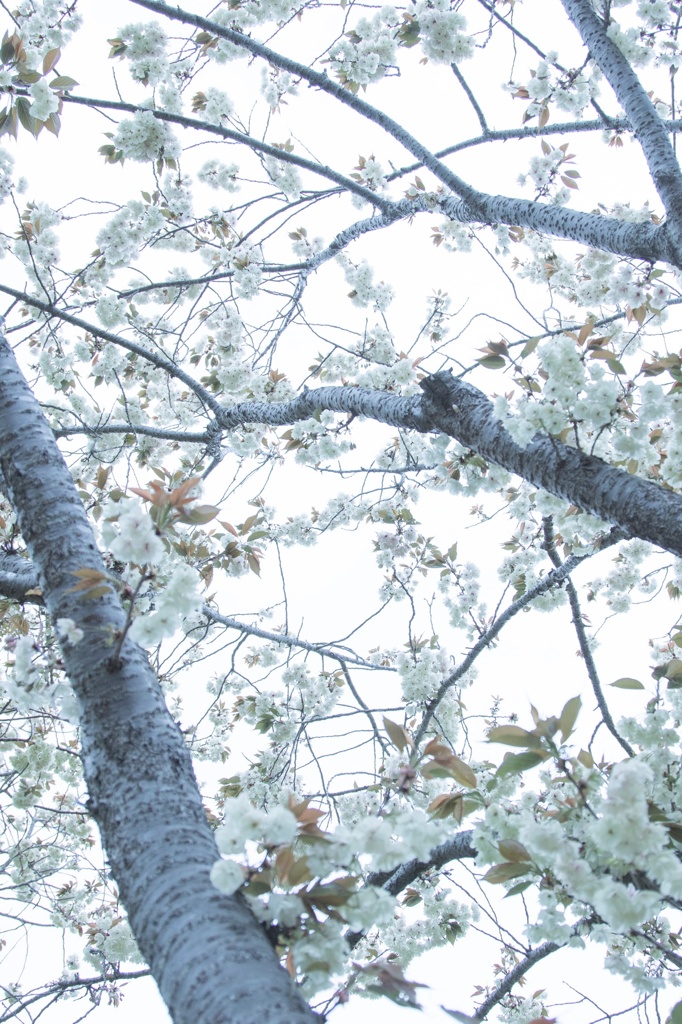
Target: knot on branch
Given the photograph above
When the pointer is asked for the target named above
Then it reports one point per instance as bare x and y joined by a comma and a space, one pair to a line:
439, 390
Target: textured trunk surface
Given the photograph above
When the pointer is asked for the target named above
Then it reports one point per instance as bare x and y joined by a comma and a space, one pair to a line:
209, 957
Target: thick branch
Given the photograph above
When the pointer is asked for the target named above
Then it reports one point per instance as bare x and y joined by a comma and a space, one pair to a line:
458, 847
98, 429
451, 406
142, 789
17, 578
646, 124
638, 507
642, 241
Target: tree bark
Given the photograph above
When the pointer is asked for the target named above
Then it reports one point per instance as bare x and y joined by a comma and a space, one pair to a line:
646, 124
640, 508
638, 241
210, 958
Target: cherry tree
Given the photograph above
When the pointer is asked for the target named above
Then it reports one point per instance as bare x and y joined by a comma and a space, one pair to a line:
343, 336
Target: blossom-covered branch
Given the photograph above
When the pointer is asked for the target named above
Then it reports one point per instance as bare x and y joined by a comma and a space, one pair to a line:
635, 240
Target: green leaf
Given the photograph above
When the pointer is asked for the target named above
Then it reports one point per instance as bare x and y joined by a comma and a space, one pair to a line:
397, 735
676, 1014
492, 362
529, 347
518, 888
626, 683
6, 50
586, 759
505, 872
615, 365
63, 82
512, 736
513, 851
27, 122
515, 763
568, 717
28, 77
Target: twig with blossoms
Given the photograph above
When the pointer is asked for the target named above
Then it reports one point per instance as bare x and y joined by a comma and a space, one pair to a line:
155, 358
533, 957
57, 989
553, 579
306, 164
585, 649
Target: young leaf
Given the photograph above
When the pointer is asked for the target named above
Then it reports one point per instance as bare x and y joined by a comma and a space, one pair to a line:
515, 763
505, 872
513, 850
397, 735
568, 717
512, 736
626, 683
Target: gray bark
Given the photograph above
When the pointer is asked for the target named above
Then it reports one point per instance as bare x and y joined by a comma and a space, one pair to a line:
646, 124
458, 847
638, 241
638, 507
210, 958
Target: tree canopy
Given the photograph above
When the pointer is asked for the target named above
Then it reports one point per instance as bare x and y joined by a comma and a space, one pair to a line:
340, 405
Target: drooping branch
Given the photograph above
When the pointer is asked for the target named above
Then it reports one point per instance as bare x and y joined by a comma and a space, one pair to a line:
585, 648
551, 580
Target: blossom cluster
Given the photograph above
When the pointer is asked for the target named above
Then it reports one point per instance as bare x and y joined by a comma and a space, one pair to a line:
45, 25
144, 137
442, 32
365, 292
365, 54
569, 91
145, 50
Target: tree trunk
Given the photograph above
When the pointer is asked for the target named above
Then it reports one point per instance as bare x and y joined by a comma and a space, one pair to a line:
210, 958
